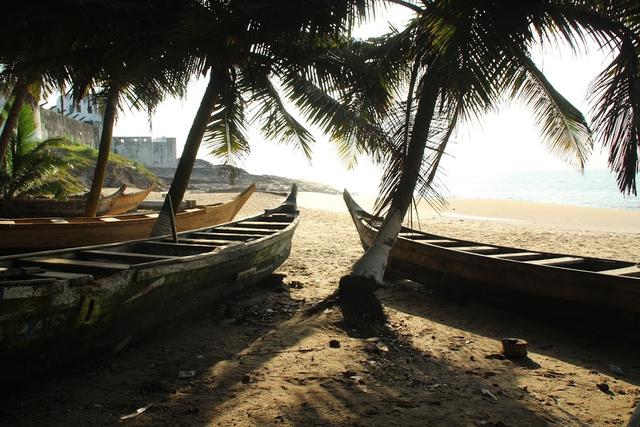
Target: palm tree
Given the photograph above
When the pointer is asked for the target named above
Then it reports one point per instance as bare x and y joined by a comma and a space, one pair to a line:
116, 46
30, 162
244, 48
458, 59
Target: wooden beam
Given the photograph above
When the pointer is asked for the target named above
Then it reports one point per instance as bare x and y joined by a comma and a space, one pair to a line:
263, 225
239, 229
73, 265
479, 249
624, 271
567, 260
130, 257
225, 236
518, 256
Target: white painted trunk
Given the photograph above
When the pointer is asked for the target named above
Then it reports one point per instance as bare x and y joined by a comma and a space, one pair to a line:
374, 261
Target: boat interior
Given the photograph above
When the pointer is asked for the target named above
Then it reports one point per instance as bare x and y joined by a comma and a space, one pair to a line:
104, 260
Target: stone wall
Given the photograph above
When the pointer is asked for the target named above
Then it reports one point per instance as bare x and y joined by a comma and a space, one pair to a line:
159, 152
55, 124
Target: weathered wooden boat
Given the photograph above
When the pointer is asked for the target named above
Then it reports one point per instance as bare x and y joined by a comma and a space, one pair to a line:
568, 286
74, 206
58, 307
31, 234
128, 202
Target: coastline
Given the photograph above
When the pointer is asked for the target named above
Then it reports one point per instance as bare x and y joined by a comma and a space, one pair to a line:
260, 358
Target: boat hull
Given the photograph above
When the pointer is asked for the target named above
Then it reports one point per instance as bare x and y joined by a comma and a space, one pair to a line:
592, 293
43, 234
56, 323
37, 208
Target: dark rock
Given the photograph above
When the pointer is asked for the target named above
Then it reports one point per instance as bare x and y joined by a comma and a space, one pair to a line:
334, 344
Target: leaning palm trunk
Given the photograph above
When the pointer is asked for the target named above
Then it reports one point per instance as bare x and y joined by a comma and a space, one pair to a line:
180, 181
19, 95
356, 291
103, 153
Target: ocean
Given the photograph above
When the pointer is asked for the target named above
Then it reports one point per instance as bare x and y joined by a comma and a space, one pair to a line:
594, 188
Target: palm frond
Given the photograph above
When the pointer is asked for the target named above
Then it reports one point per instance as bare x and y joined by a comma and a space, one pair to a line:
225, 134
563, 127
616, 103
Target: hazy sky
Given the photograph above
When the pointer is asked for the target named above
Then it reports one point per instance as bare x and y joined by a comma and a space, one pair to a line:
504, 141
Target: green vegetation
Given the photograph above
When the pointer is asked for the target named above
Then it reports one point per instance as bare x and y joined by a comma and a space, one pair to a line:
120, 170
31, 164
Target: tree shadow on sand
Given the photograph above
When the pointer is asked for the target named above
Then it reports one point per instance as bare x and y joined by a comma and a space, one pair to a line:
557, 338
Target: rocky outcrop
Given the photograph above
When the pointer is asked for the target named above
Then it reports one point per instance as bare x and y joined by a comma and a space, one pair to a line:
207, 177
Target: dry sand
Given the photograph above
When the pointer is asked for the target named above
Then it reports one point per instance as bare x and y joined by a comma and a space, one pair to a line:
257, 360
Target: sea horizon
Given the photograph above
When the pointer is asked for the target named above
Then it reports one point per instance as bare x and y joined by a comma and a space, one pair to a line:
594, 188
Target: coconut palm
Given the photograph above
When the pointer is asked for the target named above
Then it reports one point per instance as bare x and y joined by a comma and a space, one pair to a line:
458, 60
116, 50
251, 50
31, 162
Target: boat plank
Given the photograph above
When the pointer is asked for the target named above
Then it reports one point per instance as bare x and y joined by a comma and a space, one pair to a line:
568, 260
214, 242
474, 248
517, 255
268, 225
624, 271
234, 230
75, 265
226, 236
132, 257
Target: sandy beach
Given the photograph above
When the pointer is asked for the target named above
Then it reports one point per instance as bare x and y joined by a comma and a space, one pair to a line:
259, 360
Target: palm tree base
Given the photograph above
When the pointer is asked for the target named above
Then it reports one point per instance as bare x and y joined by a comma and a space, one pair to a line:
360, 307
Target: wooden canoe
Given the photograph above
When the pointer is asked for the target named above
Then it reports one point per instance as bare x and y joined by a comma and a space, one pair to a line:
59, 307
37, 208
570, 286
128, 202
27, 235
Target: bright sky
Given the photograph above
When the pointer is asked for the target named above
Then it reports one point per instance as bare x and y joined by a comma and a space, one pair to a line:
504, 141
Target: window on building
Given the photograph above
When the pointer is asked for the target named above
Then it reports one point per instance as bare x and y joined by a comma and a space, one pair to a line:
78, 108
89, 108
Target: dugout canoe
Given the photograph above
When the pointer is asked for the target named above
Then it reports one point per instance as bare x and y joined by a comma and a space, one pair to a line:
60, 307
128, 202
72, 207
32, 234
567, 286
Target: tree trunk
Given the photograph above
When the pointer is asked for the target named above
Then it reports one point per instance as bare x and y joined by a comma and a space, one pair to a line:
356, 290
19, 95
93, 198
180, 181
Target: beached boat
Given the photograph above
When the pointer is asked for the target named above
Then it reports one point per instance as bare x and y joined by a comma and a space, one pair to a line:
572, 286
128, 202
72, 207
58, 307
31, 234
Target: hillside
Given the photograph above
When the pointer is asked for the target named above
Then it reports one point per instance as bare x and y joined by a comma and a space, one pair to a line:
120, 170
212, 178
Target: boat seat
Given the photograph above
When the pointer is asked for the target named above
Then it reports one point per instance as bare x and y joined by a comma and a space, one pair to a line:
479, 249
109, 219
238, 229
130, 257
213, 242
519, 256
225, 236
568, 260
425, 239
59, 221
263, 224
152, 215
179, 248
74, 265
63, 275
624, 271
7, 222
